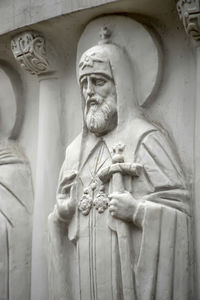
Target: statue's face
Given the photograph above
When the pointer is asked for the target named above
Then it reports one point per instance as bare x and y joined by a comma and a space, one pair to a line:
100, 103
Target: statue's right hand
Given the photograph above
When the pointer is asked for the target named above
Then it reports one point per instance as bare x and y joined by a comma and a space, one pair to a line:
66, 204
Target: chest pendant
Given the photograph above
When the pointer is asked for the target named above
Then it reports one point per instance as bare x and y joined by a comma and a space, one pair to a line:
93, 196
85, 203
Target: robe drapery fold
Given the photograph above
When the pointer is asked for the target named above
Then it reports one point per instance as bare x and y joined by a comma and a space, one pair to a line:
157, 240
162, 270
16, 200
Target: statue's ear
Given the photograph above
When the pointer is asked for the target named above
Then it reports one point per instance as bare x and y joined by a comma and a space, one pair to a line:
11, 101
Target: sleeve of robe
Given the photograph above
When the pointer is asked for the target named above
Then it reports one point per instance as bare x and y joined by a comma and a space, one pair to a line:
57, 260
59, 264
162, 271
56, 256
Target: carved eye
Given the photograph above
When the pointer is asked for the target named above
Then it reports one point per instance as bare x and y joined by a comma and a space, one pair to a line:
99, 81
84, 83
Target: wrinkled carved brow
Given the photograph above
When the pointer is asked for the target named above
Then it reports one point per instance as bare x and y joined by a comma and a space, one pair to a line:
97, 75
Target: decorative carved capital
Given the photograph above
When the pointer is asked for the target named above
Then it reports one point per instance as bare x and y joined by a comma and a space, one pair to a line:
189, 13
29, 50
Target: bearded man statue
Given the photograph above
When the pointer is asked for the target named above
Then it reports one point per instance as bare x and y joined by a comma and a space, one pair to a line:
119, 229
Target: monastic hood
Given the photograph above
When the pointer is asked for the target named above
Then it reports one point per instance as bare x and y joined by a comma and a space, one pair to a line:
115, 58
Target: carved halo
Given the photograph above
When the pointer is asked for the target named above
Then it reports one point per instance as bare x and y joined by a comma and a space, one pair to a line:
11, 101
141, 45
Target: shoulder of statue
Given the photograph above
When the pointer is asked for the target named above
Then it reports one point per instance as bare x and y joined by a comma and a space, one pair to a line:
73, 145
144, 125
73, 152
150, 131
140, 128
157, 141
144, 131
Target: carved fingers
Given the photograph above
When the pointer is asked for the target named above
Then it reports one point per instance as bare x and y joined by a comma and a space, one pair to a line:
66, 204
122, 205
67, 182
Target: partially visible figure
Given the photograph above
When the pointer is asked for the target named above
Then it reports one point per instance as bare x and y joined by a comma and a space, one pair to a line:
16, 200
16, 192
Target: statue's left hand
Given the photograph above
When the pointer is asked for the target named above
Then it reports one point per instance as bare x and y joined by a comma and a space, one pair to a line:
122, 206
66, 204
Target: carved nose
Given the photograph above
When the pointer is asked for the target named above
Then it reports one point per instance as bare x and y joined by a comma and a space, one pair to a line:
90, 90
90, 93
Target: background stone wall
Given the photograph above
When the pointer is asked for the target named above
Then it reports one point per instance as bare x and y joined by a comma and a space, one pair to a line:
61, 23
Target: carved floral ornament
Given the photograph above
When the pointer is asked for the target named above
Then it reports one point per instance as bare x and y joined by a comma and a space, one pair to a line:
29, 50
189, 13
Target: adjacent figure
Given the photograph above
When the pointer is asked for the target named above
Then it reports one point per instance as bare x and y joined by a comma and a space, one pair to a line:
16, 200
16, 194
119, 229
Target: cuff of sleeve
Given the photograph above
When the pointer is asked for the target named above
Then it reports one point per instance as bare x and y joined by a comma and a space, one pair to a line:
138, 215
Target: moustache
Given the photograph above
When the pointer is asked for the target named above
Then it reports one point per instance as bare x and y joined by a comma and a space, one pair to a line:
93, 101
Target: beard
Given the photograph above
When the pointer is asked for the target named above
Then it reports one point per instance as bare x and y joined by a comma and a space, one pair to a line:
101, 117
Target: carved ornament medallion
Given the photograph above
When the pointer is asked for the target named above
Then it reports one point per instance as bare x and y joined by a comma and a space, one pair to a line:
101, 201
85, 203
189, 13
29, 50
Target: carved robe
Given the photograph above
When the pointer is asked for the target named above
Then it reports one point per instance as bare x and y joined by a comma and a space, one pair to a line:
92, 258
16, 199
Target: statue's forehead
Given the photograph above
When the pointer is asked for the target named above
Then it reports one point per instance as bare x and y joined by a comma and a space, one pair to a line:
90, 57
95, 75
93, 63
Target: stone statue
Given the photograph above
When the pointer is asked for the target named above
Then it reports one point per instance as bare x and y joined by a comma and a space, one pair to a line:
16, 200
16, 193
119, 229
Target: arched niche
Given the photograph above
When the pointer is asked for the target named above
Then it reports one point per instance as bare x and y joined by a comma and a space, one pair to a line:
11, 101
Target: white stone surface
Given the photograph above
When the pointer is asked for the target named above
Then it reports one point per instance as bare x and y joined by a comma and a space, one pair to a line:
15, 14
173, 107
48, 160
16, 194
16, 207
11, 104
8, 104
137, 41
123, 203
29, 50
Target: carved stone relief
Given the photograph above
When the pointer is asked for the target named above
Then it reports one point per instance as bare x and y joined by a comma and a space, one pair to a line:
29, 50
146, 83
119, 229
11, 101
189, 13
37, 56
16, 198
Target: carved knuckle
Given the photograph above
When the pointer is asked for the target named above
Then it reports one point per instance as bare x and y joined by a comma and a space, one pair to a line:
61, 197
114, 202
112, 208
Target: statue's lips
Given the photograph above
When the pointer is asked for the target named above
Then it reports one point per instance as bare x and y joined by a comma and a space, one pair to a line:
91, 102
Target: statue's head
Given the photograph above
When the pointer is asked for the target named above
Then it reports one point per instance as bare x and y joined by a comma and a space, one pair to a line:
98, 91
102, 78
